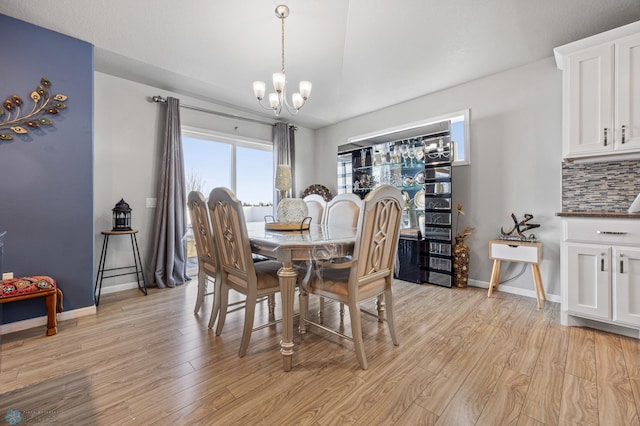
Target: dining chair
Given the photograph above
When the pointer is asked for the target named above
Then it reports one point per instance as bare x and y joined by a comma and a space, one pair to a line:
342, 210
203, 235
369, 273
316, 206
237, 270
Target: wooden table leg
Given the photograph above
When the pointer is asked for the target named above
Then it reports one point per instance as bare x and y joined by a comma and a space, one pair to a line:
537, 282
495, 276
287, 277
52, 321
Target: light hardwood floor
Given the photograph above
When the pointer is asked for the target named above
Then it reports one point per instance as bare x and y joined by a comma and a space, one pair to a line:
463, 359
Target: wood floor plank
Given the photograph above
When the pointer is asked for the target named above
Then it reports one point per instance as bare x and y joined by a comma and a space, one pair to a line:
542, 402
417, 416
448, 382
472, 395
463, 359
525, 420
506, 401
527, 349
579, 405
581, 358
631, 353
479, 382
615, 397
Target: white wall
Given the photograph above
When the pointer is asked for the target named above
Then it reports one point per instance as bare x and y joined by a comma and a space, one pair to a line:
128, 148
516, 130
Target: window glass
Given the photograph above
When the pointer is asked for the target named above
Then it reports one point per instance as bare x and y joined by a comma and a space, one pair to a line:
245, 167
207, 164
254, 179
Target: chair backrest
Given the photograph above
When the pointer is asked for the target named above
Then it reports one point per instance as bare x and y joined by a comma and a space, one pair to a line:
232, 241
202, 231
377, 238
316, 206
342, 210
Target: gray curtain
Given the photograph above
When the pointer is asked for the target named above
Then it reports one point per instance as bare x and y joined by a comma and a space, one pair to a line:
284, 153
170, 227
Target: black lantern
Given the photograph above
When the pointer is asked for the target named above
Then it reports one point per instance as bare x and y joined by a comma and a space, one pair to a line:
122, 216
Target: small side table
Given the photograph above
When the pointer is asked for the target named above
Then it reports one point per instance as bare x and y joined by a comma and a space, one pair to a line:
136, 260
516, 251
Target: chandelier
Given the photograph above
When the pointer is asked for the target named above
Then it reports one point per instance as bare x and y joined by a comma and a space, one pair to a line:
278, 99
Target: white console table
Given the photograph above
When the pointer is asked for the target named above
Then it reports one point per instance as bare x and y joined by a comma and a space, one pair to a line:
516, 251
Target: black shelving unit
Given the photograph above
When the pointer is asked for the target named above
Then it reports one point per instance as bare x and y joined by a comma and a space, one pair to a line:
437, 254
419, 164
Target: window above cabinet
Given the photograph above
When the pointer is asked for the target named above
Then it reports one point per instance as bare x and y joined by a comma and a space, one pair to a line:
458, 126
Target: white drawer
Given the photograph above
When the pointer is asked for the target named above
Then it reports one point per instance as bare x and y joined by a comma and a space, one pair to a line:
602, 231
514, 251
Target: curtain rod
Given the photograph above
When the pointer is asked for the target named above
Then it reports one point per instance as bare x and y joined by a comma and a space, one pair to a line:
162, 100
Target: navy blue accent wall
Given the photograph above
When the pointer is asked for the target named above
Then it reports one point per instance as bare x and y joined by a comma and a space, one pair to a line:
46, 176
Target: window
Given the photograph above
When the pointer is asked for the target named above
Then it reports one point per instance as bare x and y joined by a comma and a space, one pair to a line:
244, 166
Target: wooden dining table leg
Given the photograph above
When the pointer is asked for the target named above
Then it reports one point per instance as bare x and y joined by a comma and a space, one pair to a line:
287, 278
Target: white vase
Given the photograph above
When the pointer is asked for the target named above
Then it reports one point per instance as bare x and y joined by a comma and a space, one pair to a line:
292, 210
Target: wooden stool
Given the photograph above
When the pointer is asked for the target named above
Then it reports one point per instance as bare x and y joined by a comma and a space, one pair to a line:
14, 289
136, 260
516, 251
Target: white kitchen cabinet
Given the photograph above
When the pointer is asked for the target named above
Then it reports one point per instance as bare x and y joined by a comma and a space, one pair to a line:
601, 94
626, 296
601, 270
589, 281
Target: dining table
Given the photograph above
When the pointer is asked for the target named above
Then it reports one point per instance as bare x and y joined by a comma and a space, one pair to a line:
318, 242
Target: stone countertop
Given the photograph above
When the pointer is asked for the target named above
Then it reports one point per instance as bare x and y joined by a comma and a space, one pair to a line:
605, 215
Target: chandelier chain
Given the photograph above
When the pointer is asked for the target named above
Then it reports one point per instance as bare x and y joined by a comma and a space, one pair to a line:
282, 19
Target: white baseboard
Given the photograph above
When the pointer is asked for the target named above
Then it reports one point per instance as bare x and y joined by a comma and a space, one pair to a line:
42, 321
66, 315
515, 290
118, 287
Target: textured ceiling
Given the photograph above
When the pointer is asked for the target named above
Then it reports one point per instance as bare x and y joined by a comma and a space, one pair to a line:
360, 55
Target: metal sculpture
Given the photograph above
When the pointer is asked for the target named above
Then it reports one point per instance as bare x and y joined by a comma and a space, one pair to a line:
13, 119
518, 228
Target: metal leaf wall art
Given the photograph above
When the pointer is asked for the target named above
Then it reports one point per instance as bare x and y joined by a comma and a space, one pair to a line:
14, 121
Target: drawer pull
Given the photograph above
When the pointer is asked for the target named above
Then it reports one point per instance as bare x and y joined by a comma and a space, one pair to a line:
611, 232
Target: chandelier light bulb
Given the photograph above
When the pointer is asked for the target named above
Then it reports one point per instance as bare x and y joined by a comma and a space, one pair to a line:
279, 81
278, 100
258, 89
297, 100
305, 89
274, 100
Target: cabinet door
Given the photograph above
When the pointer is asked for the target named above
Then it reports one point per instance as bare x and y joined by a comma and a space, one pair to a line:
628, 93
589, 102
589, 280
626, 286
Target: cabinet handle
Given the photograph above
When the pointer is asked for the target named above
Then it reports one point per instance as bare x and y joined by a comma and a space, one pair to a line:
611, 233
602, 262
623, 130
605, 136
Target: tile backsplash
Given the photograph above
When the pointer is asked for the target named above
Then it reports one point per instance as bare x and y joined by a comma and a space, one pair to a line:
609, 186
